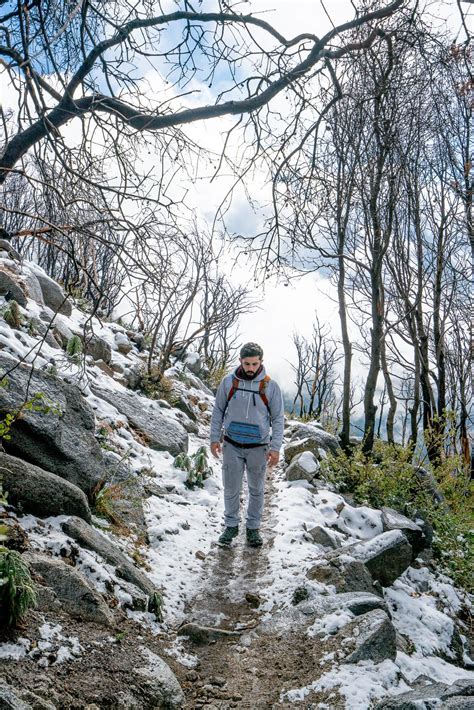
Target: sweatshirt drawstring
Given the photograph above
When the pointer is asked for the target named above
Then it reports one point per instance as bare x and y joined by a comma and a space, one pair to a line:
248, 402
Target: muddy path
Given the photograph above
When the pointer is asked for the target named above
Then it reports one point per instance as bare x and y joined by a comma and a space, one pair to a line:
253, 669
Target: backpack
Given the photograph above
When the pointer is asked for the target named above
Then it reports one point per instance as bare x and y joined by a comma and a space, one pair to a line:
261, 391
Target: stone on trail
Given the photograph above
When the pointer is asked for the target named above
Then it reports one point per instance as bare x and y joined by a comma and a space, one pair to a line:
77, 597
161, 431
323, 536
205, 634
356, 602
386, 556
370, 637
344, 573
158, 682
93, 539
304, 466
64, 443
435, 695
41, 492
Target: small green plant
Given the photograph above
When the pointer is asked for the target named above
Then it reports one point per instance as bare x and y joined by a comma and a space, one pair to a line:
12, 314
74, 348
157, 386
156, 606
196, 466
17, 589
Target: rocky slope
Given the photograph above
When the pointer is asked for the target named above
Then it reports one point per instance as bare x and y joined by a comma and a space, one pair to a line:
137, 607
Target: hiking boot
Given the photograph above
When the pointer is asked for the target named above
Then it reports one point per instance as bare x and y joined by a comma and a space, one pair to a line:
227, 536
253, 537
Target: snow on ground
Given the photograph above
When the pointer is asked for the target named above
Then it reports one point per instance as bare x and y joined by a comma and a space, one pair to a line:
183, 524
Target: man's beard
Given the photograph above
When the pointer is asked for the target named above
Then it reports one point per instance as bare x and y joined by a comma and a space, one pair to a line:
250, 375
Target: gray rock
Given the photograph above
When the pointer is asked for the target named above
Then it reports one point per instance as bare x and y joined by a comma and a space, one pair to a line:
93, 539
356, 602
161, 431
323, 536
63, 444
345, 574
33, 287
5, 245
53, 295
428, 697
123, 343
41, 492
97, 347
459, 703
386, 556
10, 698
317, 440
322, 439
304, 467
10, 283
35, 701
74, 592
370, 637
204, 634
190, 425
139, 600
393, 520
47, 599
299, 430
158, 682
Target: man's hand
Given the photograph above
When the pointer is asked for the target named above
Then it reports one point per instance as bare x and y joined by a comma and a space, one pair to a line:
216, 449
272, 458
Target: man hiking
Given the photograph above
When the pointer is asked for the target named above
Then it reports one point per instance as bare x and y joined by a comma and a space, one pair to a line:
248, 405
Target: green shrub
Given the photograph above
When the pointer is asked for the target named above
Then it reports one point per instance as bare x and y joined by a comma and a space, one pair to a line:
17, 589
196, 466
74, 347
388, 478
12, 315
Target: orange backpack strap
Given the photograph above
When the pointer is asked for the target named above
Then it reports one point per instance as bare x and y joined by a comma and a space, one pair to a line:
261, 390
233, 389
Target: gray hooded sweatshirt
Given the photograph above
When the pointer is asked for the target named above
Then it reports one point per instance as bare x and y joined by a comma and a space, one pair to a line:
246, 419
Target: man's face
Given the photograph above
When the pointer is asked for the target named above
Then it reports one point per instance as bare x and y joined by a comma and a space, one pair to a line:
250, 365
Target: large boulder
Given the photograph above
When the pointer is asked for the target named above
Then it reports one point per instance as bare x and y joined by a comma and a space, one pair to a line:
11, 286
314, 442
74, 592
53, 294
393, 520
435, 695
10, 698
370, 637
386, 556
40, 492
323, 439
304, 466
92, 539
161, 431
61, 443
344, 574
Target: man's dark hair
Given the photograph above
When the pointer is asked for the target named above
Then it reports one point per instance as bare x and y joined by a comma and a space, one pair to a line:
251, 350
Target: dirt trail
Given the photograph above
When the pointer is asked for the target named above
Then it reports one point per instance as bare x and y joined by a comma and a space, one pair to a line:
250, 671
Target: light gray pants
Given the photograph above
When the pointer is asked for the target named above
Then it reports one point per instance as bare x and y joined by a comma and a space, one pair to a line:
235, 461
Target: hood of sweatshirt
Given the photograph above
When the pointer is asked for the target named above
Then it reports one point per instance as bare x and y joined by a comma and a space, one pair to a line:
261, 375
